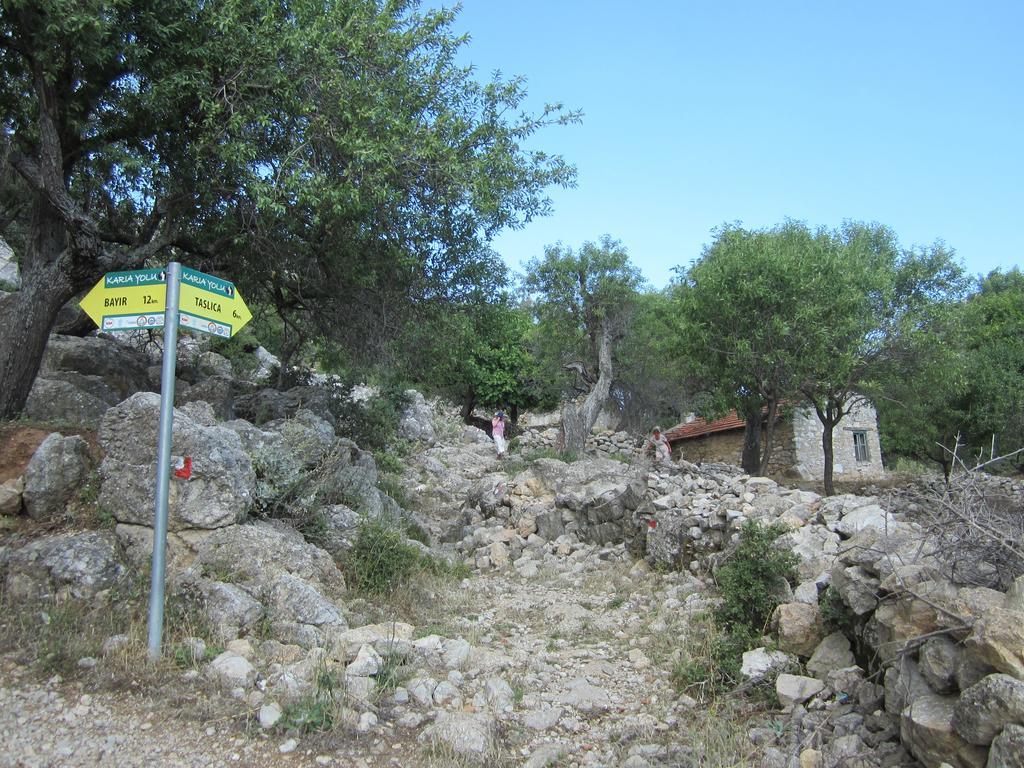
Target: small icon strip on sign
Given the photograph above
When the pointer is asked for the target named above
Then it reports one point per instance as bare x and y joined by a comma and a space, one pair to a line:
204, 325
132, 322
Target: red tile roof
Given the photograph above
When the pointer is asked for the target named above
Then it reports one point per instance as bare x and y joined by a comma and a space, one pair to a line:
699, 427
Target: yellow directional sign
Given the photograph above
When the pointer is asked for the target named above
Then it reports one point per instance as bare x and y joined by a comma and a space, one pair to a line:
210, 305
124, 301
127, 301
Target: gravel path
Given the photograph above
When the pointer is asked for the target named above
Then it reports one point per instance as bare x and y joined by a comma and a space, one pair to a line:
576, 648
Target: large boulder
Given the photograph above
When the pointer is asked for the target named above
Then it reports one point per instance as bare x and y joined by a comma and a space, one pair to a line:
881, 552
246, 572
69, 398
998, 640
470, 737
798, 627
417, 422
985, 708
222, 482
1007, 748
56, 471
219, 391
831, 653
926, 729
124, 369
271, 404
77, 565
253, 555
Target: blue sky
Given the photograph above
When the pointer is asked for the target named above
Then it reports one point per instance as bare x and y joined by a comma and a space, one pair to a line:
697, 113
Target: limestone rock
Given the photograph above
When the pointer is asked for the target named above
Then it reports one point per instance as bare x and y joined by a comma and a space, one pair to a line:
903, 684
366, 663
585, 697
232, 671
417, 422
292, 598
386, 639
857, 587
798, 626
269, 715
222, 484
795, 689
54, 474
984, 709
759, 662
869, 516
71, 399
470, 736
832, 653
255, 553
230, 609
998, 640
10, 495
926, 729
937, 661
1007, 749
118, 365
77, 565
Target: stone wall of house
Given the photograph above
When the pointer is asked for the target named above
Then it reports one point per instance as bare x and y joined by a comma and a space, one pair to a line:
810, 461
727, 448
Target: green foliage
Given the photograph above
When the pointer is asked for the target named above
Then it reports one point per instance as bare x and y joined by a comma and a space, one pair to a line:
963, 377
238, 350
334, 158
395, 488
388, 461
715, 669
748, 581
309, 714
836, 615
381, 559
575, 294
650, 380
792, 313
372, 424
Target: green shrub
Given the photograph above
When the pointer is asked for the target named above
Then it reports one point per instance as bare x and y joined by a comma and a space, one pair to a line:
382, 559
836, 615
748, 581
389, 462
717, 667
395, 488
372, 424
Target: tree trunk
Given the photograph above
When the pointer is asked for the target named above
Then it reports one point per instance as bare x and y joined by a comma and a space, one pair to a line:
27, 315
579, 418
769, 435
468, 404
828, 451
829, 415
752, 443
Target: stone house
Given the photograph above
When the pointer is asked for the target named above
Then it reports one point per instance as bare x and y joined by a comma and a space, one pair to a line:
797, 443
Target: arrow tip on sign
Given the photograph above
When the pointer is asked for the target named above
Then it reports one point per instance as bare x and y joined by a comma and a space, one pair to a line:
92, 303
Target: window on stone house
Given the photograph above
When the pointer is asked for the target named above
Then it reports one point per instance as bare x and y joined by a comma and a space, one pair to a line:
860, 446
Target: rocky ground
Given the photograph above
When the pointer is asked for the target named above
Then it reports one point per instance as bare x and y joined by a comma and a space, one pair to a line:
548, 613
574, 663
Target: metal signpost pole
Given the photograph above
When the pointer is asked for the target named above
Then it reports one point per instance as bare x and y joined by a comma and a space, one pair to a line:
163, 459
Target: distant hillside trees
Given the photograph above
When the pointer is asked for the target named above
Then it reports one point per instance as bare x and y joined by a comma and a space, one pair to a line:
583, 301
789, 314
328, 155
962, 386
